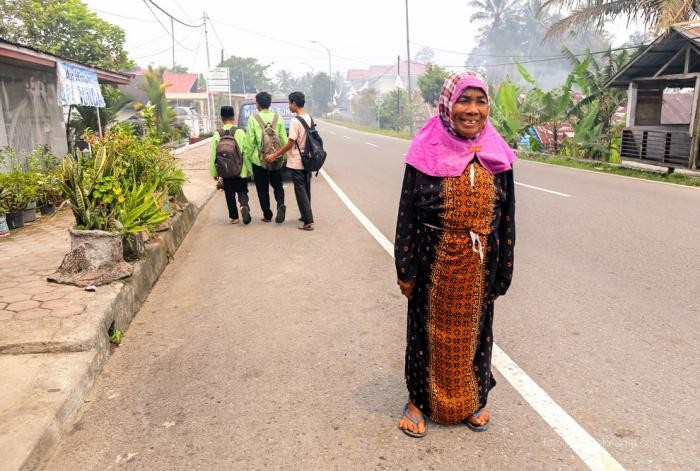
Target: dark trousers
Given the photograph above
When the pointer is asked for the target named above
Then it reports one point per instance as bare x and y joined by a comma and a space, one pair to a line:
302, 191
232, 187
263, 180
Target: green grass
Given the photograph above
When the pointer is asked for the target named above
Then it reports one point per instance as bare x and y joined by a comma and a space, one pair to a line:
560, 160
614, 169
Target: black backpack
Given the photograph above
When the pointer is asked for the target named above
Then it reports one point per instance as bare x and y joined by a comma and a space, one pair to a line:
313, 156
229, 160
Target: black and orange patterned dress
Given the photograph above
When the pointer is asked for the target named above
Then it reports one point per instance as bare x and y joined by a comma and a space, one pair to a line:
455, 236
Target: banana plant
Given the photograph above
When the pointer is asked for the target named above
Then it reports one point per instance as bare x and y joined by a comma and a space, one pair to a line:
552, 107
505, 112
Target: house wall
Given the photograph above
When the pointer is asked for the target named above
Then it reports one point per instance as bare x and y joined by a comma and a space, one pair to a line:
649, 103
30, 115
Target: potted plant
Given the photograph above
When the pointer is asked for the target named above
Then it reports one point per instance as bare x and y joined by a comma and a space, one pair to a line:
48, 194
139, 214
15, 198
92, 191
4, 229
30, 188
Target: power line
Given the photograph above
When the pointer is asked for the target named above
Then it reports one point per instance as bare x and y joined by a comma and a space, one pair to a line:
154, 54
145, 43
535, 58
165, 28
213, 28
172, 17
183, 10
284, 41
144, 20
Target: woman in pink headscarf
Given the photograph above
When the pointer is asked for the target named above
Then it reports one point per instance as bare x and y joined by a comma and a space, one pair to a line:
455, 236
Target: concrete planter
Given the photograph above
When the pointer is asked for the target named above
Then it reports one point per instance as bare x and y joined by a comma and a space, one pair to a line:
95, 258
134, 246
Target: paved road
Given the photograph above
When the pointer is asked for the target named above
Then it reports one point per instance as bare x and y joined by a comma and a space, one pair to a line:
265, 347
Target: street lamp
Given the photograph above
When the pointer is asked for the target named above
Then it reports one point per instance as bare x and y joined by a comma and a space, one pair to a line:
330, 76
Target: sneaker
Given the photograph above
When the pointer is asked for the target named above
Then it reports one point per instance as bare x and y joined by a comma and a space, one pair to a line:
245, 212
281, 211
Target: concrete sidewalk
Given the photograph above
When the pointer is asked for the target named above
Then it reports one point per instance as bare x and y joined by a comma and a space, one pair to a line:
53, 338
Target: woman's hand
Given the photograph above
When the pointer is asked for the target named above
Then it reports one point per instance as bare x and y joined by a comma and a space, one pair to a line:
407, 287
272, 157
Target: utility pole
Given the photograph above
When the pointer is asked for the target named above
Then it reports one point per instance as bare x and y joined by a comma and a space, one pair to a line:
209, 101
172, 36
330, 76
408, 54
398, 93
206, 38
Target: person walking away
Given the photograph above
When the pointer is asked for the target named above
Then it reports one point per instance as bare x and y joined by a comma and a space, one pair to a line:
455, 239
294, 148
265, 135
230, 166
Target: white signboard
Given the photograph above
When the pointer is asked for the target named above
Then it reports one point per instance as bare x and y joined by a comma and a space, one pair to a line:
217, 80
78, 86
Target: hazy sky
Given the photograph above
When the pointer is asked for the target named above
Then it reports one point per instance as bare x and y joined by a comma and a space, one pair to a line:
359, 33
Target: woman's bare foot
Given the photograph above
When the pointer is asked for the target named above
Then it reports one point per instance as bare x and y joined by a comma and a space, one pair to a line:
478, 422
407, 424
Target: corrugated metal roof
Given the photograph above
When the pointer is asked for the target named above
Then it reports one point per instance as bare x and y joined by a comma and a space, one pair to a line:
648, 62
25, 53
676, 108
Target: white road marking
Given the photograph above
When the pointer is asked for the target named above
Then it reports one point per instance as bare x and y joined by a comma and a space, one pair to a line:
586, 447
332, 132
583, 444
543, 189
371, 228
347, 137
370, 144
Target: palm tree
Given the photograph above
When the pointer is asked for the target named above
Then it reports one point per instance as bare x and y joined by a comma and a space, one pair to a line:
284, 81
658, 15
155, 91
492, 12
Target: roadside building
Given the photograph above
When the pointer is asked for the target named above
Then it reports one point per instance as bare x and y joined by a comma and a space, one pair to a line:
30, 111
663, 116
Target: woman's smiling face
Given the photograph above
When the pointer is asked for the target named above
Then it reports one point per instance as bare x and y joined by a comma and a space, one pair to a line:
470, 112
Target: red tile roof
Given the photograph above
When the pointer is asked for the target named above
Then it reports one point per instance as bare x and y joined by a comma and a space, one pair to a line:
180, 83
388, 70
357, 74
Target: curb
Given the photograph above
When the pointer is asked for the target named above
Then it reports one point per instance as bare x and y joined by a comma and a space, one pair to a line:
90, 354
182, 149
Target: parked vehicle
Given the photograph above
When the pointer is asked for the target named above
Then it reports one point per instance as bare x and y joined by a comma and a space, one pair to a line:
189, 117
279, 106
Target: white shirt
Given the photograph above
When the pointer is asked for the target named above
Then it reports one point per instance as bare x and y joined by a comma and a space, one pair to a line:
298, 134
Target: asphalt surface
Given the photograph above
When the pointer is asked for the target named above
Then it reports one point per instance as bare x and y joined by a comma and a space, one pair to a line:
265, 347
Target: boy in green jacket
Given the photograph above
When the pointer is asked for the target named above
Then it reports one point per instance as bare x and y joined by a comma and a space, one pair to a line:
234, 185
266, 175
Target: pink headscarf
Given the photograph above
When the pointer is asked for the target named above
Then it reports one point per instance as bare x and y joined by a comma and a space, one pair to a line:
438, 151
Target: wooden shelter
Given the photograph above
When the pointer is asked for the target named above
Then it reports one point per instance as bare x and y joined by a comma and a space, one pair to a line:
672, 61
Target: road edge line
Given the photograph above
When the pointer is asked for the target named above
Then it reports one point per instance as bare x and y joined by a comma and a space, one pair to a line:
581, 442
